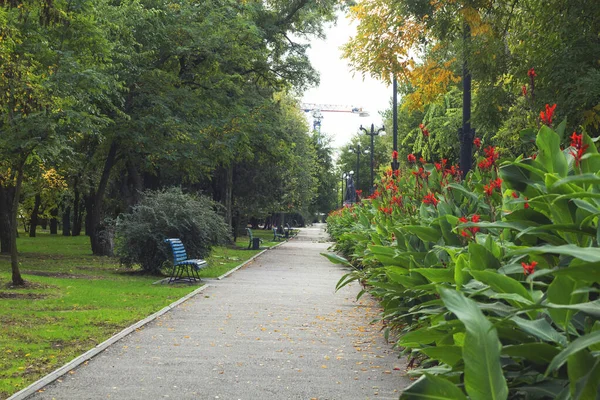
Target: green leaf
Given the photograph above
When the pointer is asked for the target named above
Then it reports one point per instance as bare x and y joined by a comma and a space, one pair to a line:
549, 152
590, 307
590, 254
501, 283
431, 387
481, 258
560, 292
541, 329
527, 135
591, 179
578, 366
425, 233
484, 379
587, 387
436, 275
421, 337
585, 272
334, 258
574, 347
461, 275
539, 353
447, 354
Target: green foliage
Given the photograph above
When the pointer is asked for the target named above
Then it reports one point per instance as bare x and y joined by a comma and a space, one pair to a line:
166, 214
490, 283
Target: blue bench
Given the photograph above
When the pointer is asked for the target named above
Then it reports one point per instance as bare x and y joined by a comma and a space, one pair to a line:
277, 236
182, 265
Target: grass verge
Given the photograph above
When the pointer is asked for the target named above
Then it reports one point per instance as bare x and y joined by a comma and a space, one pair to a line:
74, 301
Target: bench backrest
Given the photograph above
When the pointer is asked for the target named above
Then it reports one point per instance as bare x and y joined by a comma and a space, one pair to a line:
249, 232
179, 253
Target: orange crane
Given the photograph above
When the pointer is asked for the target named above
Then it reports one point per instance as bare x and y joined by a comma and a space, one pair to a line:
316, 111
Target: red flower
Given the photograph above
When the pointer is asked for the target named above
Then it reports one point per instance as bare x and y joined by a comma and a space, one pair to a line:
477, 142
471, 231
395, 155
397, 173
577, 140
422, 160
524, 90
412, 159
497, 183
424, 130
438, 166
488, 189
578, 154
529, 268
490, 152
430, 199
546, 117
464, 220
526, 205
486, 164
358, 193
397, 200
475, 218
515, 195
534, 156
531, 73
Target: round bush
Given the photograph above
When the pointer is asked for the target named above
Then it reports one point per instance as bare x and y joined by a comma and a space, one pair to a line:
140, 235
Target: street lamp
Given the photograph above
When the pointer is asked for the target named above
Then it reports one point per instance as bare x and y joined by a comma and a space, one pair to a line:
373, 133
356, 150
342, 191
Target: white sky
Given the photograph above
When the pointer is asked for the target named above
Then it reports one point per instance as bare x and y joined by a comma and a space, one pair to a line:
339, 86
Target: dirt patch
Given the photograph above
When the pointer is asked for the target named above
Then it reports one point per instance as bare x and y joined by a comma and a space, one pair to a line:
65, 275
30, 296
27, 285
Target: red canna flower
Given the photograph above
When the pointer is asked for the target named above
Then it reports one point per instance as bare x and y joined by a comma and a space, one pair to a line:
488, 190
524, 90
397, 173
485, 165
477, 142
394, 155
422, 160
424, 130
438, 166
578, 154
531, 73
577, 140
529, 268
547, 116
397, 200
526, 205
430, 199
412, 159
497, 183
515, 195
475, 218
358, 193
491, 153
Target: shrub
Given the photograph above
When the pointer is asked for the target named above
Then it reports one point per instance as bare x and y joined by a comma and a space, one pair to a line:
165, 214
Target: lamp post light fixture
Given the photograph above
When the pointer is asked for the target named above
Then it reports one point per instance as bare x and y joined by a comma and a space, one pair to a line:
357, 150
342, 190
373, 133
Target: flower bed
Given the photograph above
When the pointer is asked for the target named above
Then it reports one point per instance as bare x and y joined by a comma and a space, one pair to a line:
489, 283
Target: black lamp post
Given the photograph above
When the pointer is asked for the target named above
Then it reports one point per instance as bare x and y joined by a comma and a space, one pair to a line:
343, 179
373, 133
395, 122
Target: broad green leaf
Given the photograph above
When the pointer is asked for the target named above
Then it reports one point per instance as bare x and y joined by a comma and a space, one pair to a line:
518, 177
586, 272
431, 387
484, 379
587, 387
590, 254
501, 283
334, 258
549, 152
560, 292
481, 258
421, 337
575, 346
591, 179
461, 275
436, 275
590, 307
539, 353
578, 366
527, 135
447, 354
541, 329
425, 233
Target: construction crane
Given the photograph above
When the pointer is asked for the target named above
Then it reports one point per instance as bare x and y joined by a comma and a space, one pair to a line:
316, 111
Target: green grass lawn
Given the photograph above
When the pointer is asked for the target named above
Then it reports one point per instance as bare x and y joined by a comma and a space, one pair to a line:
75, 301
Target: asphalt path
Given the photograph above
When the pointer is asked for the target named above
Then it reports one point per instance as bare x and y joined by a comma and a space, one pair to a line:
275, 329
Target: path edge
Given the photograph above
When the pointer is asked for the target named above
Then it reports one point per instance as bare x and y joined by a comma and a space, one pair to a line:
77, 361
248, 261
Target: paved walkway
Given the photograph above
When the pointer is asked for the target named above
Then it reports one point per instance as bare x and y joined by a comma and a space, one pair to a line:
275, 329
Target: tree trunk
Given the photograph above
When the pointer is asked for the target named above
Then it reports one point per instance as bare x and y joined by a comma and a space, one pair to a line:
66, 221
6, 195
229, 197
34, 215
88, 200
99, 235
17, 279
54, 221
76, 213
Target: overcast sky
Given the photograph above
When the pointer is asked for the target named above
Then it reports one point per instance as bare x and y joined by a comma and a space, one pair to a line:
339, 86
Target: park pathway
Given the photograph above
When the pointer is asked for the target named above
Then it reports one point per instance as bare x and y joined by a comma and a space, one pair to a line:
275, 329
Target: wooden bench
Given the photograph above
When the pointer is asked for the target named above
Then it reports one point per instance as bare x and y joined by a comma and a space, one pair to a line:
182, 265
251, 237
